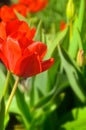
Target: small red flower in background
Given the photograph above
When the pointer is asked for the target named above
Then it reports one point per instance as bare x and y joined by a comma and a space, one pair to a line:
62, 25
34, 5
20, 54
23, 7
7, 12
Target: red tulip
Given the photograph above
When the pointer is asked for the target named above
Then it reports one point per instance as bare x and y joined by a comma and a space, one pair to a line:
21, 8
20, 54
7, 12
34, 5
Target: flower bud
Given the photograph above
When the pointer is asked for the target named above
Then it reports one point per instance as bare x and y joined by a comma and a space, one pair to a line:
80, 58
70, 9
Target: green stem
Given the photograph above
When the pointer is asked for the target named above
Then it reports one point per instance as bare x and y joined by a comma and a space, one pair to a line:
12, 94
71, 29
6, 84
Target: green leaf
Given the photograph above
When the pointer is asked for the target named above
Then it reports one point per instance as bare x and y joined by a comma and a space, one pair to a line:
58, 87
6, 121
14, 107
40, 94
2, 81
38, 32
45, 99
52, 74
79, 122
32, 91
53, 94
22, 105
2, 113
21, 17
81, 14
38, 82
53, 44
74, 45
73, 74
79, 39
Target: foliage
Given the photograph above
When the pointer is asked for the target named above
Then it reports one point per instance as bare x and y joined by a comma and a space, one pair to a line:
54, 99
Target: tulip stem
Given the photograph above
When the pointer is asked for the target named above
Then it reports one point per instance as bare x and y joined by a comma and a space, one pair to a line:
12, 94
6, 84
71, 29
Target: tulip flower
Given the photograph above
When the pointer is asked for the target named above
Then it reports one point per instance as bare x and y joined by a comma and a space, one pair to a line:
23, 7
34, 5
7, 12
19, 52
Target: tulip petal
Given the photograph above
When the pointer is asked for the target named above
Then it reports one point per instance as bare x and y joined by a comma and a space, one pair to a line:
47, 64
28, 66
7, 13
20, 26
38, 47
23, 41
11, 51
22, 9
12, 26
3, 58
2, 30
34, 5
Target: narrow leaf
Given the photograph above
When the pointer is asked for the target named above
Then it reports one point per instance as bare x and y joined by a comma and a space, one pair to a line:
2, 114
73, 74
77, 25
55, 42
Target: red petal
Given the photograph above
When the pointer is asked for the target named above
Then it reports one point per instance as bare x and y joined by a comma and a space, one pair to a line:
23, 41
38, 47
2, 56
11, 51
20, 26
47, 64
22, 9
12, 26
2, 31
28, 66
7, 13
34, 5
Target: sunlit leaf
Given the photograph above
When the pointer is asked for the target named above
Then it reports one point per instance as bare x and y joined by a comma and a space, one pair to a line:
52, 45
74, 45
74, 75
79, 122
2, 81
